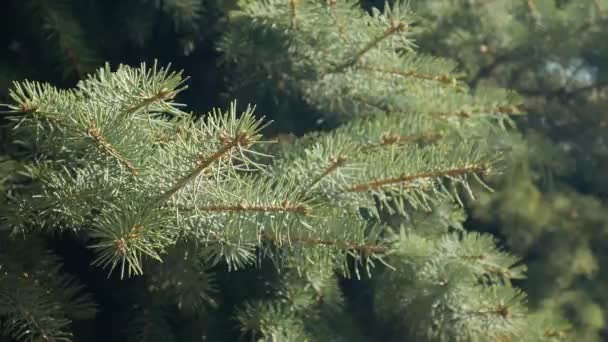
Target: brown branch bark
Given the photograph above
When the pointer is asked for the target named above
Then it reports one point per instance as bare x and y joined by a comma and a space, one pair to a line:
375, 184
334, 164
244, 207
389, 139
104, 145
239, 140
507, 109
444, 79
395, 28
163, 94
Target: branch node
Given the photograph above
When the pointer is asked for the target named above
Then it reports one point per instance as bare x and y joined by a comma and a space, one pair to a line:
103, 145
227, 142
393, 29
162, 95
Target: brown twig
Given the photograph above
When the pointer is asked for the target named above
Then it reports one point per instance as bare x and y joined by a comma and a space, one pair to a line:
389, 139
443, 79
163, 94
375, 184
103, 145
366, 249
285, 206
134, 233
395, 28
227, 146
293, 4
334, 164
507, 109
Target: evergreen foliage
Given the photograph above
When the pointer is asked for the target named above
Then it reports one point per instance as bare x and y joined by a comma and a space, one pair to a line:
217, 230
68, 39
38, 301
550, 205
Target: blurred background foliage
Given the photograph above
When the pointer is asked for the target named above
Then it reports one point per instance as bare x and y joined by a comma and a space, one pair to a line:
550, 206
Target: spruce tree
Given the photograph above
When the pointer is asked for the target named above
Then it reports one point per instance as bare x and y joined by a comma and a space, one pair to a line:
550, 205
351, 232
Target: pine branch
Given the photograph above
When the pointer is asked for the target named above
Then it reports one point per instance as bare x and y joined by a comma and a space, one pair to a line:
235, 136
507, 109
285, 207
162, 95
134, 229
346, 245
444, 79
390, 139
122, 243
240, 140
105, 147
405, 179
393, 29
334, 164
37, 300
234, 209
